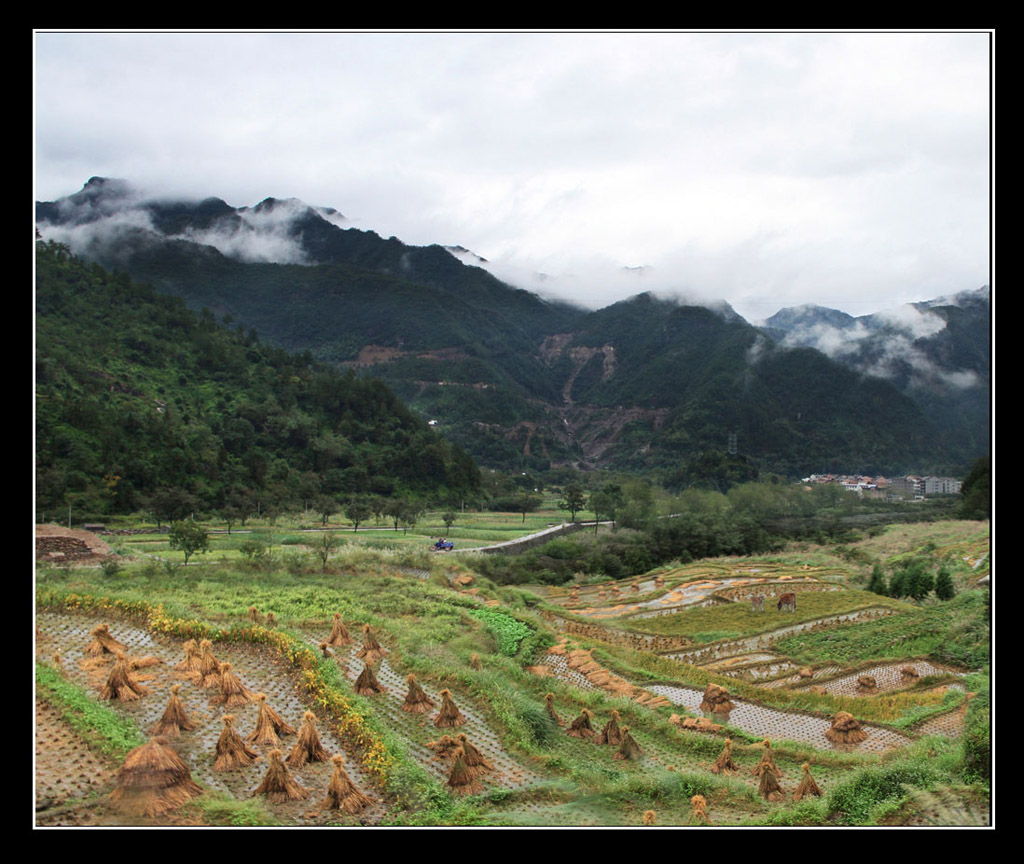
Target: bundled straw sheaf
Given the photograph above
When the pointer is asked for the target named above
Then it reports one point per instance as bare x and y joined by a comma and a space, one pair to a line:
342, 793
232, 692
581, 727
769, 787
549, 703
449, 715
611, 733
174, 719
191, 666
367, 683
209, 666
339, 633
807, 785
269, 725
443, 748
416, 700
845, 729
120, 684
716, 700
767, 764
153, 780
278, 784
724, 764
231, 750
308, 747
460, 779
103, 643
476, 764
372, 651
628, 748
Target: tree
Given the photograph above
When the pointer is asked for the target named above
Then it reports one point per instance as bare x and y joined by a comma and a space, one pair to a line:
357, 511
573, 499
602, 505
976, 491
877, 583
524, 503
325, 505
638, 507
397, 510
448, 517
188, 537
944, 588
326, 543
410, 514
172, 505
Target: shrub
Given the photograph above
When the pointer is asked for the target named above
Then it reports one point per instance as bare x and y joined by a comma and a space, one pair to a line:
855, 799
976, 761
110, 566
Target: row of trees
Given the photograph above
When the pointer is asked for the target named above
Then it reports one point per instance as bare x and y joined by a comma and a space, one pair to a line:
914, 579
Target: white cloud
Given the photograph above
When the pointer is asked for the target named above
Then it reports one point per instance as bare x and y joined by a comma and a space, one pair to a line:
848, 169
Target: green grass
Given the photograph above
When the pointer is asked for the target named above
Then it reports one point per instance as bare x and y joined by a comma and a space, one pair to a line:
103, 729
953, 632
736, 619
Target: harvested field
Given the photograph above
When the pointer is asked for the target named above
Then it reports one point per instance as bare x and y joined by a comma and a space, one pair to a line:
259, 669
888, 677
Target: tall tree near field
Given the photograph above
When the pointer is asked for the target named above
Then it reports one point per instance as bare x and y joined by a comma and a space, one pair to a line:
357, 511
574, 499
188, 537
325, 505
525, 503
602, 505
172, 505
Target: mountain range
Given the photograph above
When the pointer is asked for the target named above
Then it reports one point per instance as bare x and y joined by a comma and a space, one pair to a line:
526, 383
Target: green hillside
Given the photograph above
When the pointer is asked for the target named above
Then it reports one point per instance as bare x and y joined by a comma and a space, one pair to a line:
136, 393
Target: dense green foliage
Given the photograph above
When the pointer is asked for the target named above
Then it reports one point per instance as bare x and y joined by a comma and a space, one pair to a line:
507, 630
139, 399
188, 537
976, 491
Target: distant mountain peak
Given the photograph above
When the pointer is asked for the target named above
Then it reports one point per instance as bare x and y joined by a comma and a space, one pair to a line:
465, 255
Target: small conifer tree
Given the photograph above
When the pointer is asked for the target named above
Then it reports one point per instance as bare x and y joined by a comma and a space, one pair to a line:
944, 588
877, 584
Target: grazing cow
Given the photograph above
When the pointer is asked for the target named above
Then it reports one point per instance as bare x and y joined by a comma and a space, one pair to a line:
787, 601
757, 603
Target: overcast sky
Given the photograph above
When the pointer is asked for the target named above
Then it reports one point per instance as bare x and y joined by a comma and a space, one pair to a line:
850, 170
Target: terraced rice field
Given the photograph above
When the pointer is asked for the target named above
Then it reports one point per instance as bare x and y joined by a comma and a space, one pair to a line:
259, 670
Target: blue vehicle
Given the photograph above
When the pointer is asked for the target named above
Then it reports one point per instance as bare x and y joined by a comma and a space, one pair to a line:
443, 545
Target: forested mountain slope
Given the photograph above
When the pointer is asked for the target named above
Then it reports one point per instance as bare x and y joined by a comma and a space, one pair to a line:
135, 393
518, 381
